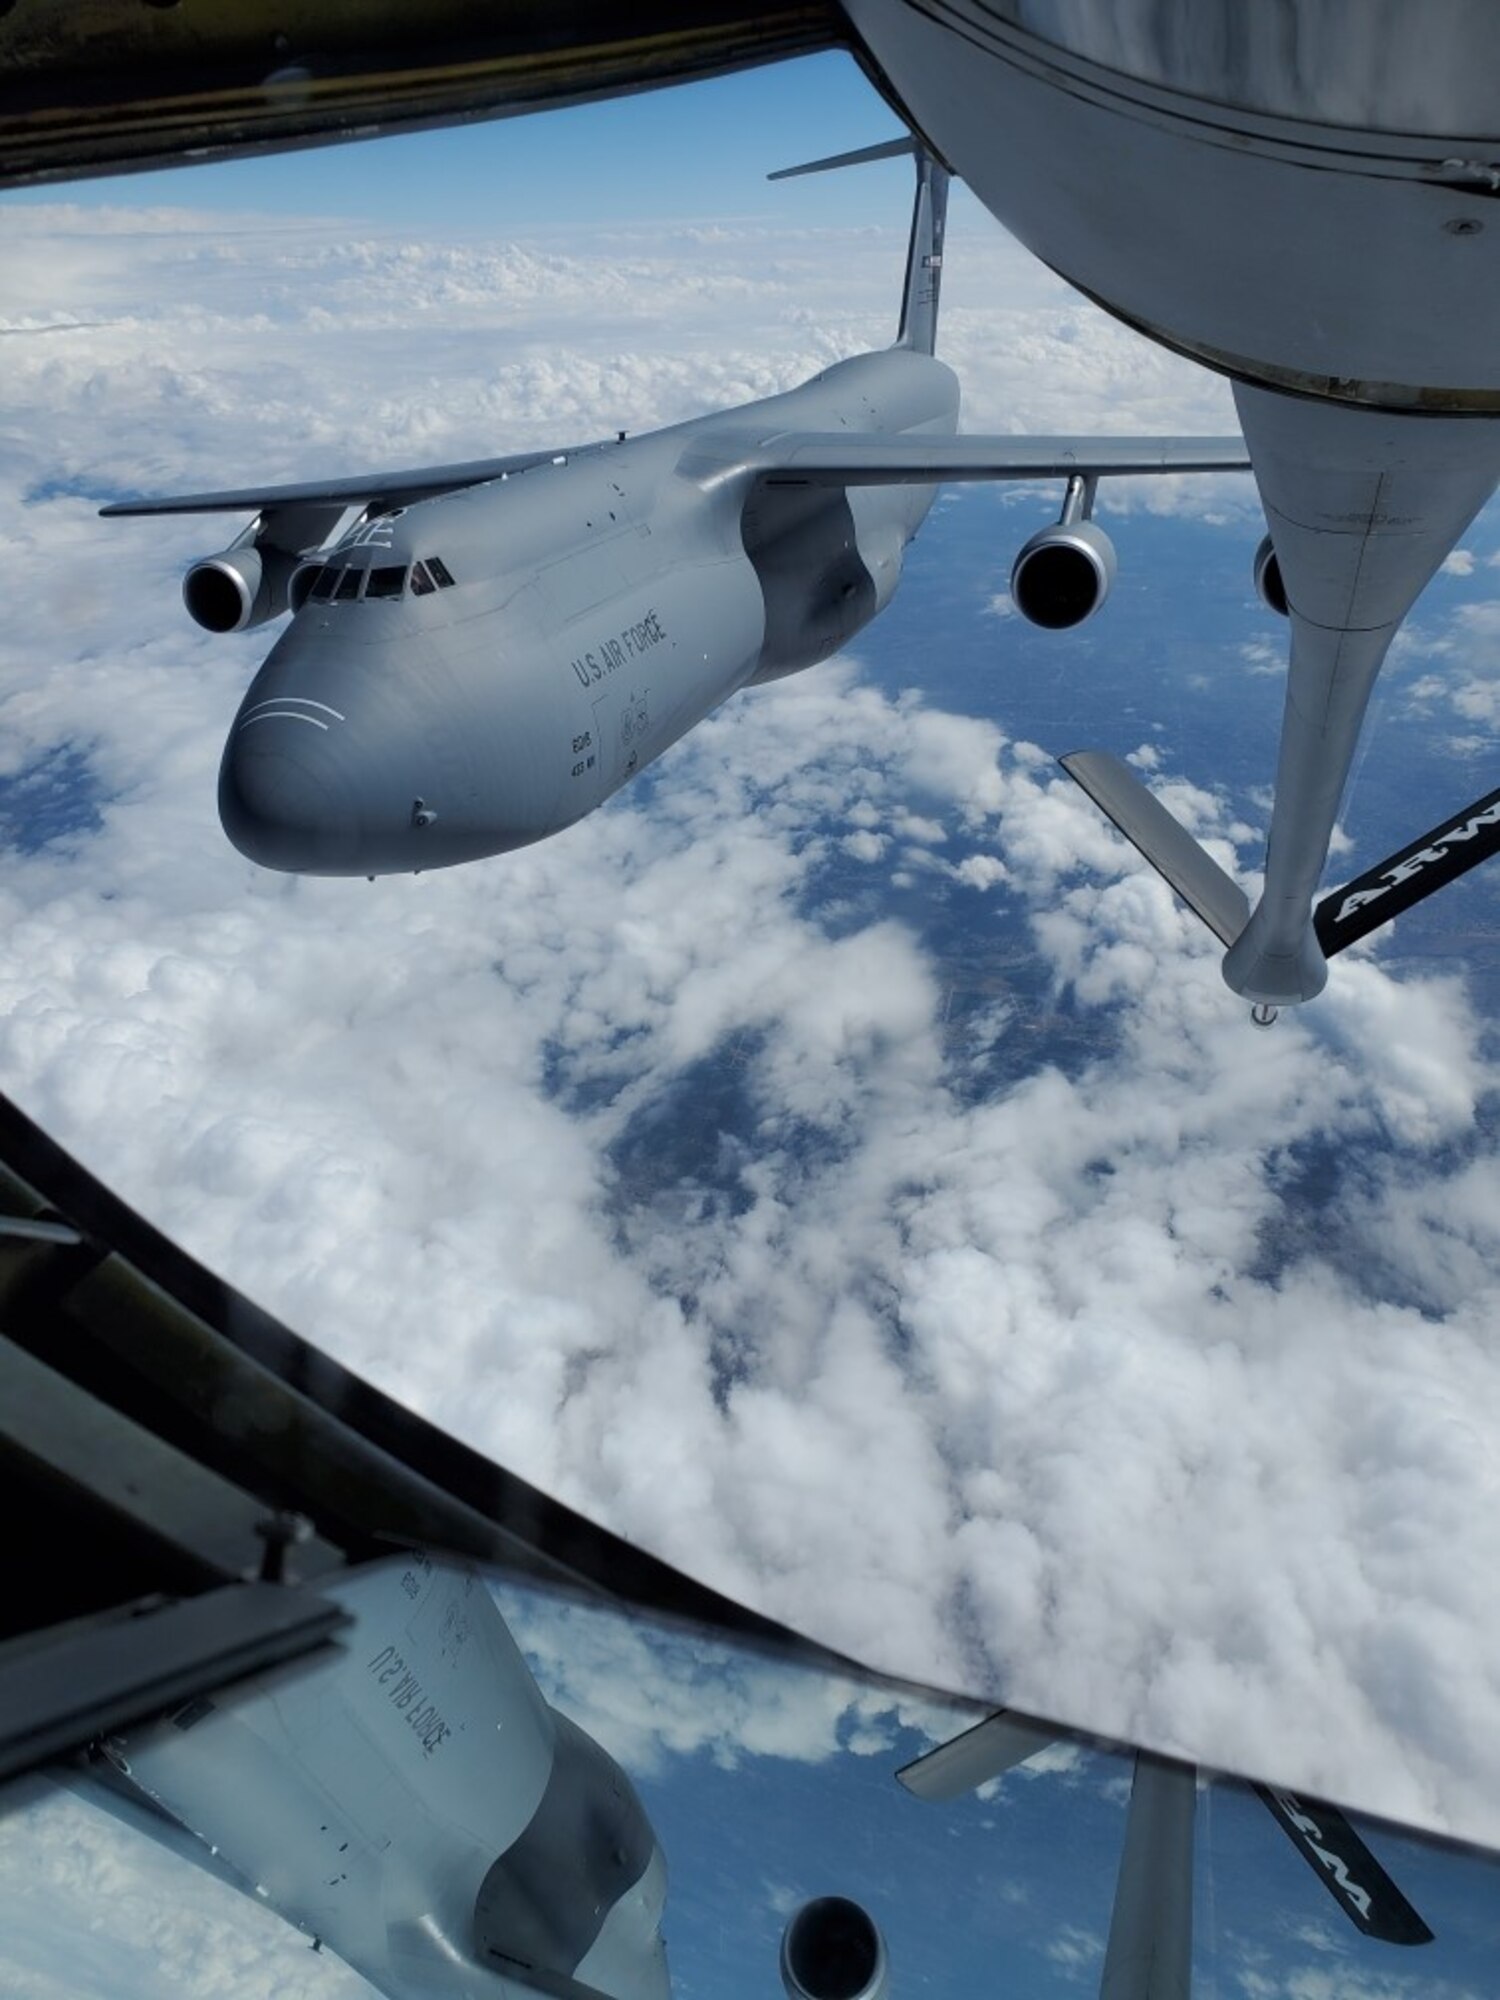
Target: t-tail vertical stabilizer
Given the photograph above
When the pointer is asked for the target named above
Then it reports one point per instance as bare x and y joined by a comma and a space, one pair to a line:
929, 217
924, 259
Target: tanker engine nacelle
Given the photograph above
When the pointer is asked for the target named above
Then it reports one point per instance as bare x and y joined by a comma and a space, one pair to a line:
243, 586
1063, 574
832, 1950
1268, 584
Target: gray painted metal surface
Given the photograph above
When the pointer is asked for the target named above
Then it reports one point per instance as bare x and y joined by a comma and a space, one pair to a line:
58, 1691
1363, 506
1202, 884
396, 488
965, 1762
1270, 188
546, 1899
1150, 1949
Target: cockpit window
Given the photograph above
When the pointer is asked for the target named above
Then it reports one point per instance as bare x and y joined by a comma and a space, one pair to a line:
422, 584
387, 582
348, 585
323, 583
440, 574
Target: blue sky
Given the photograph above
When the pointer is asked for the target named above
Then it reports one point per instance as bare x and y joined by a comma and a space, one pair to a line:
698, 150
769, 1785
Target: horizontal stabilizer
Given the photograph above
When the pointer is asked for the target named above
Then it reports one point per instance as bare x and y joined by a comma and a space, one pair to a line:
888, 149
1172, 851
1346, 1868
965, 1762
1428, 863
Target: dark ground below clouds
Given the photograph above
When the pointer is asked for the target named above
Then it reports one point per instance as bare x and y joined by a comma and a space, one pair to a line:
1160, 664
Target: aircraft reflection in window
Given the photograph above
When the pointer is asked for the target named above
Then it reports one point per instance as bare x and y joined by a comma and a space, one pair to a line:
587, 607
416, 1800
411, 1801
1149, 1953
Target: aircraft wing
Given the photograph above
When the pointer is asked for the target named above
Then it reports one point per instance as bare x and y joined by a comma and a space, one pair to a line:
820, 458
837, 458
398, 488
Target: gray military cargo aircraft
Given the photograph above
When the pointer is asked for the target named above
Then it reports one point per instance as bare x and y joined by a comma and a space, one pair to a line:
409, 1799
480, 654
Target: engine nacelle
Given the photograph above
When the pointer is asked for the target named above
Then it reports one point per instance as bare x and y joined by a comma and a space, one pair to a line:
833, 1950
1268, 584
238, 588
1063, 574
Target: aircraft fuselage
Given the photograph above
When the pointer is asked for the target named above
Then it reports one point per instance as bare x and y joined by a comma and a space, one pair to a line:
598, 608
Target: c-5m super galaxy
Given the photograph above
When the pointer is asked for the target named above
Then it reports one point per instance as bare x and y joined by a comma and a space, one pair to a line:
480, 654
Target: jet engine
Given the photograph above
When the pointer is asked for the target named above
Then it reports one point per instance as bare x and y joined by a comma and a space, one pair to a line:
1063, 574
1268, 584
832, 1950
242, 586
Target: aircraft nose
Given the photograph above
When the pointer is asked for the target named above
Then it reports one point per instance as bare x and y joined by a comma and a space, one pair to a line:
286, 799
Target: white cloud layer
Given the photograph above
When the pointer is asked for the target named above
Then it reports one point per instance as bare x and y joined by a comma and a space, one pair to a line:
655, 1166
94, 1909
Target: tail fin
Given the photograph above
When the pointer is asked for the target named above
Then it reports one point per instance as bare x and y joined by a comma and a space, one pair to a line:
924, 257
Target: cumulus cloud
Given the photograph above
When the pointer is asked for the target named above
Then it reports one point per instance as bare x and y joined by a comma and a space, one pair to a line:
864, 845
1457, 646
1002, 1311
